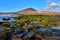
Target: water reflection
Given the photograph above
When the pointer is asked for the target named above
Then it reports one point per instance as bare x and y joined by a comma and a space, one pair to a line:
11, 16
57, 27
1, 29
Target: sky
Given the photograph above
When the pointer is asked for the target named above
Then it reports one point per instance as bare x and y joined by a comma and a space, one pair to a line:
17, 5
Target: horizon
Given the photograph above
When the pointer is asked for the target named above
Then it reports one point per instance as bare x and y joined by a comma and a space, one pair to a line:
17, 5
32, 8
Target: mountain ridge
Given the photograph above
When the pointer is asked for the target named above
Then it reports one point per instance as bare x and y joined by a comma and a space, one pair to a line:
32, 11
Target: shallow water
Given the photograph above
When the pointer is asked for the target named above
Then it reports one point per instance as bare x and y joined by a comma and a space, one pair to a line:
11, 16
7, 16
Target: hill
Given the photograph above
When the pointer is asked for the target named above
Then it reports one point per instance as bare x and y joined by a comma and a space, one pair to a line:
31, 11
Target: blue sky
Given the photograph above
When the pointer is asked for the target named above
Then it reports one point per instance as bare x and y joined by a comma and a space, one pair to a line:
16, 5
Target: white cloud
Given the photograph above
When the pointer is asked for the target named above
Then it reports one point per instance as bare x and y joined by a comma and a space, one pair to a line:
52, 5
